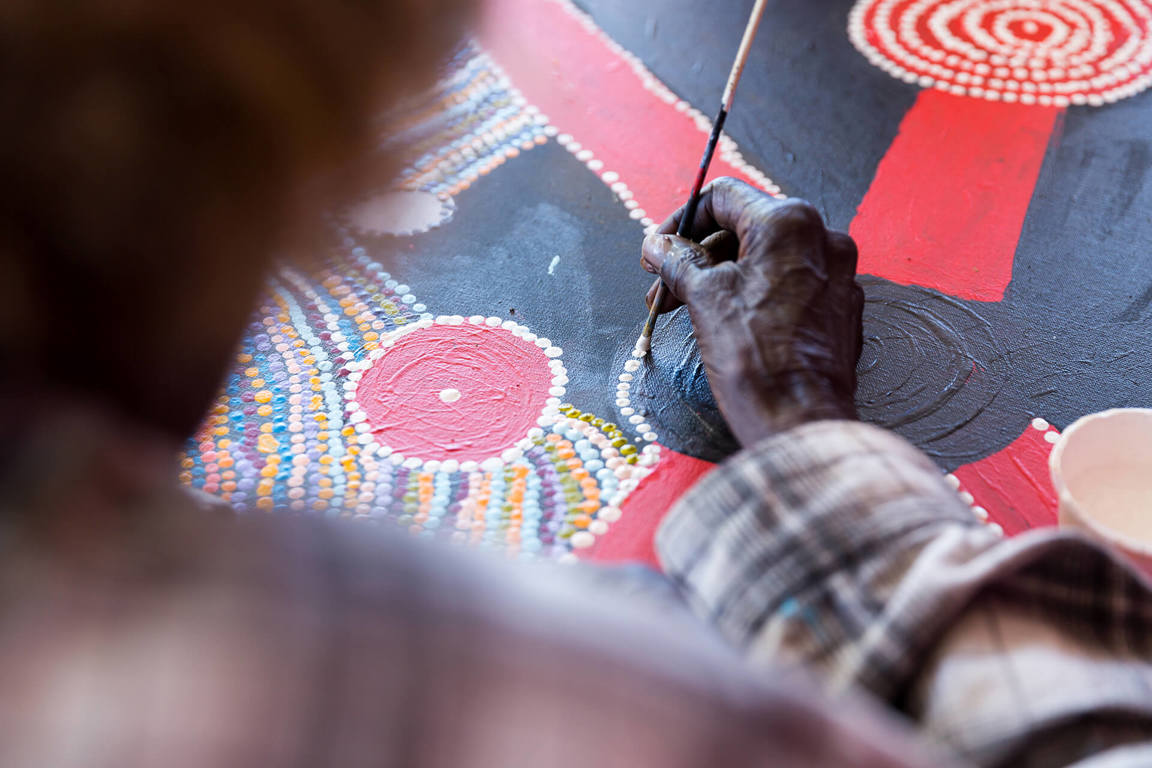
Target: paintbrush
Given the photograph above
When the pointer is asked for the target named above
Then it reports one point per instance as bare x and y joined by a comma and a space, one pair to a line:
644, 343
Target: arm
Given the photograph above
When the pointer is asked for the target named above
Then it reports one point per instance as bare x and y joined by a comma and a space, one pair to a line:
838, 546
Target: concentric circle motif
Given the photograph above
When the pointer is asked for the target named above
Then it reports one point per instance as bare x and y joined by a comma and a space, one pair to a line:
1046, 52
465, 392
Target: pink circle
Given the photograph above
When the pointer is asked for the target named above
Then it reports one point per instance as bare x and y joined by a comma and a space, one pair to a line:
410, 397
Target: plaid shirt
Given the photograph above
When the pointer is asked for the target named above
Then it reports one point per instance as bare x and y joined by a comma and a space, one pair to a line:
839, 547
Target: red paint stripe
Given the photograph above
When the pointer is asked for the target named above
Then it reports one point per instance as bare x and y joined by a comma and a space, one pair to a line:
1013, 484
949, 198
590, 91
630, 539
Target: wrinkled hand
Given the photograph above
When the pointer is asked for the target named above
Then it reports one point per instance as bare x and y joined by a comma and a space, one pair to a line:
774, 302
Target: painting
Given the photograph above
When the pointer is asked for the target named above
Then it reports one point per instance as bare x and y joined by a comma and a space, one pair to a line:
458, 365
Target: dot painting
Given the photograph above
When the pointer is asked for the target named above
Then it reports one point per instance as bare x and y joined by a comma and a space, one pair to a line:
1054, 53
307, 423
350, 398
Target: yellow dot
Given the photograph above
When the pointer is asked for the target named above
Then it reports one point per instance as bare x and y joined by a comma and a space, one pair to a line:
267, 443
264, 410
265, 503
263, 396
252, 372
257, 383
266, 427
325, 493
220, 431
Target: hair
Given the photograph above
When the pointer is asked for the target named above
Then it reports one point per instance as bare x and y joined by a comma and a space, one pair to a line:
153, 155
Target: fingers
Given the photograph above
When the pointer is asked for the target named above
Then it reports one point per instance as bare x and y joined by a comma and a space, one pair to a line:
677, 261
721, 202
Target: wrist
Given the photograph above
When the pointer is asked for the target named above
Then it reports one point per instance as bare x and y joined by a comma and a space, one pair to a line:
755, 411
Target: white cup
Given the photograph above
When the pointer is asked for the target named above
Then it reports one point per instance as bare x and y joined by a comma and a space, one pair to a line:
1102, 471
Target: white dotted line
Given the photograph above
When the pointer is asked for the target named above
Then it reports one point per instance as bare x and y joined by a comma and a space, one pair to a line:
728, 149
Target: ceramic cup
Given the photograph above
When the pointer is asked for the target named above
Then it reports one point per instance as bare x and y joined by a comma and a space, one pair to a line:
1102, 471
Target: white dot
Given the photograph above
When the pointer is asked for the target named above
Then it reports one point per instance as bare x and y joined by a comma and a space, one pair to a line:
583, 539
1039, 424
449, 395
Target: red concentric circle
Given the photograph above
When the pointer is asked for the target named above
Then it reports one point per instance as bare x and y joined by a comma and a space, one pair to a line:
1046, 52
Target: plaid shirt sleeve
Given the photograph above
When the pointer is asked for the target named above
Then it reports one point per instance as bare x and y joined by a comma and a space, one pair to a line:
838, 546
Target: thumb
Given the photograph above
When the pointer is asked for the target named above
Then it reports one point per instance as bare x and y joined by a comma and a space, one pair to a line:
678, 261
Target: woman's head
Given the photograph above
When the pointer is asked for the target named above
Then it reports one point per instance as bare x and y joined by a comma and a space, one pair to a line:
155, 154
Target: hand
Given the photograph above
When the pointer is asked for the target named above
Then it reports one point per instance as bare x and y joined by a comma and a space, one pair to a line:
774, 302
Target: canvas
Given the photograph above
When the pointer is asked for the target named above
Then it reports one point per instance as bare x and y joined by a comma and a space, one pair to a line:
460, 366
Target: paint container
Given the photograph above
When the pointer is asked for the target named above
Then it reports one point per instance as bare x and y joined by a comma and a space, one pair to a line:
1102, 471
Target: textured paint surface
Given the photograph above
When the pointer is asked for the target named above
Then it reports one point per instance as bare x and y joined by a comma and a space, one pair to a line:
590, 93
1013, 484
961, 378
631, 539
496, 386
670, 389
949, 198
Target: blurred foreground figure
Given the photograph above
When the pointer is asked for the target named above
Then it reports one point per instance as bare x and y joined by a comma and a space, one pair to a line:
149, 152
153, 155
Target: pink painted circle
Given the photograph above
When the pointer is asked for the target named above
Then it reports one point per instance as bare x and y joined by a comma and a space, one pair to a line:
455, 392
1052, 53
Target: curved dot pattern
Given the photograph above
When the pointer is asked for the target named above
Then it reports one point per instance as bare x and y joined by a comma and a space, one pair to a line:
282, 436
1052, 53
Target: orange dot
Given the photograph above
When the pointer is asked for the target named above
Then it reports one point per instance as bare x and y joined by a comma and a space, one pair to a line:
325, 493
251, 372
244, 357
185, 477
265, 503
187, 462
